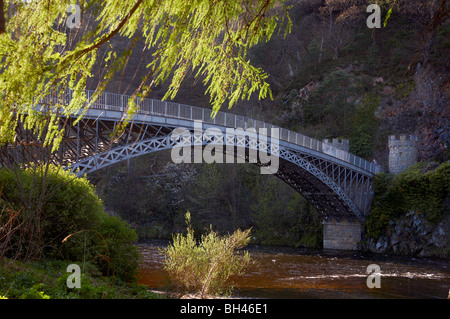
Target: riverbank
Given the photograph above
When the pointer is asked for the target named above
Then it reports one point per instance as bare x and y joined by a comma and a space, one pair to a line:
48, 280
412, 235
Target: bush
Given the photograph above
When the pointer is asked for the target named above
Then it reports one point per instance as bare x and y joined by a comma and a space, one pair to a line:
61, 217
418, 189
205, 267
124, 256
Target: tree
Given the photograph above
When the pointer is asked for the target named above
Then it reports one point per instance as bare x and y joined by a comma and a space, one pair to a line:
41, 57
364, 126
338, 14
429, 14
330, 107
2, 18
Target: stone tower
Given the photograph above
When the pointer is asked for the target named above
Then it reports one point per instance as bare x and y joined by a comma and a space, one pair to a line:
402, 152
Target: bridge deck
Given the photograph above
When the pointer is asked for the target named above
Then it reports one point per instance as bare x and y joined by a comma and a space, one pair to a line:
113, 106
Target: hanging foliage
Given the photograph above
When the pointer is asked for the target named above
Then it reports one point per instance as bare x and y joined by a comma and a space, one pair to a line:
42, 54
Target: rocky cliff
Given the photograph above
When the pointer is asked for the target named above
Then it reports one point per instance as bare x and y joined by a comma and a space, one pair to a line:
412, 235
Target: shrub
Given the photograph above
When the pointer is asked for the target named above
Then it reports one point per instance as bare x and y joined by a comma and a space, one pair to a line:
205, 267
418, 189
124, 257
61, 217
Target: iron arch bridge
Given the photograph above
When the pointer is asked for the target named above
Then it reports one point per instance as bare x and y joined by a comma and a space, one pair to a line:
337, 183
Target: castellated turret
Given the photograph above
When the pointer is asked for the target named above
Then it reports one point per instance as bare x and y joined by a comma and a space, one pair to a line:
336, 148
402, 152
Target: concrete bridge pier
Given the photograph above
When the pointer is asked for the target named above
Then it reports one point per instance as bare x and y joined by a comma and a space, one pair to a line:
341, 235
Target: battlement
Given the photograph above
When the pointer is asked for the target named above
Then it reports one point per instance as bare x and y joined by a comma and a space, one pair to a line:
402, 152
403, 140
336, 148
342, 144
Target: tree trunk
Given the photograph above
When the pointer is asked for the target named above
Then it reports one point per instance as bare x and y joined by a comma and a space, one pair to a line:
2, 18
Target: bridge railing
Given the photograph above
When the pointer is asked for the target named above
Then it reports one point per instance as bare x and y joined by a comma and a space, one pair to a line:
118, 102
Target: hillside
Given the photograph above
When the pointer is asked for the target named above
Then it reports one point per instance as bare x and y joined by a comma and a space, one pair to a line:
326, 75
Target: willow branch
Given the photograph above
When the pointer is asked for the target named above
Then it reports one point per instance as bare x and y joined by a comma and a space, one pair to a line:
108, 37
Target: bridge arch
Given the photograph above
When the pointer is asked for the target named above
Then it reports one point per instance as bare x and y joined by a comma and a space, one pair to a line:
301, 171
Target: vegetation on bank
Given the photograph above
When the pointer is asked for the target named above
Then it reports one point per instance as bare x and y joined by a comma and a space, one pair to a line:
51, 219
424, 189
46, 279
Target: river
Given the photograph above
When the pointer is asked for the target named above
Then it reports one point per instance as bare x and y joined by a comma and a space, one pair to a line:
281, 272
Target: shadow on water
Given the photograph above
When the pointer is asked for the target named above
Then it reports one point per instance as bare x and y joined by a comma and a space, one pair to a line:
283, 272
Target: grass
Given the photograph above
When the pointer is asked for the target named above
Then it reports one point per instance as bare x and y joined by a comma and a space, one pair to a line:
47, 280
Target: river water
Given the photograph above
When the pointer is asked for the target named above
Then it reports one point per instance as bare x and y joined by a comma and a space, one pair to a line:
280, 272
